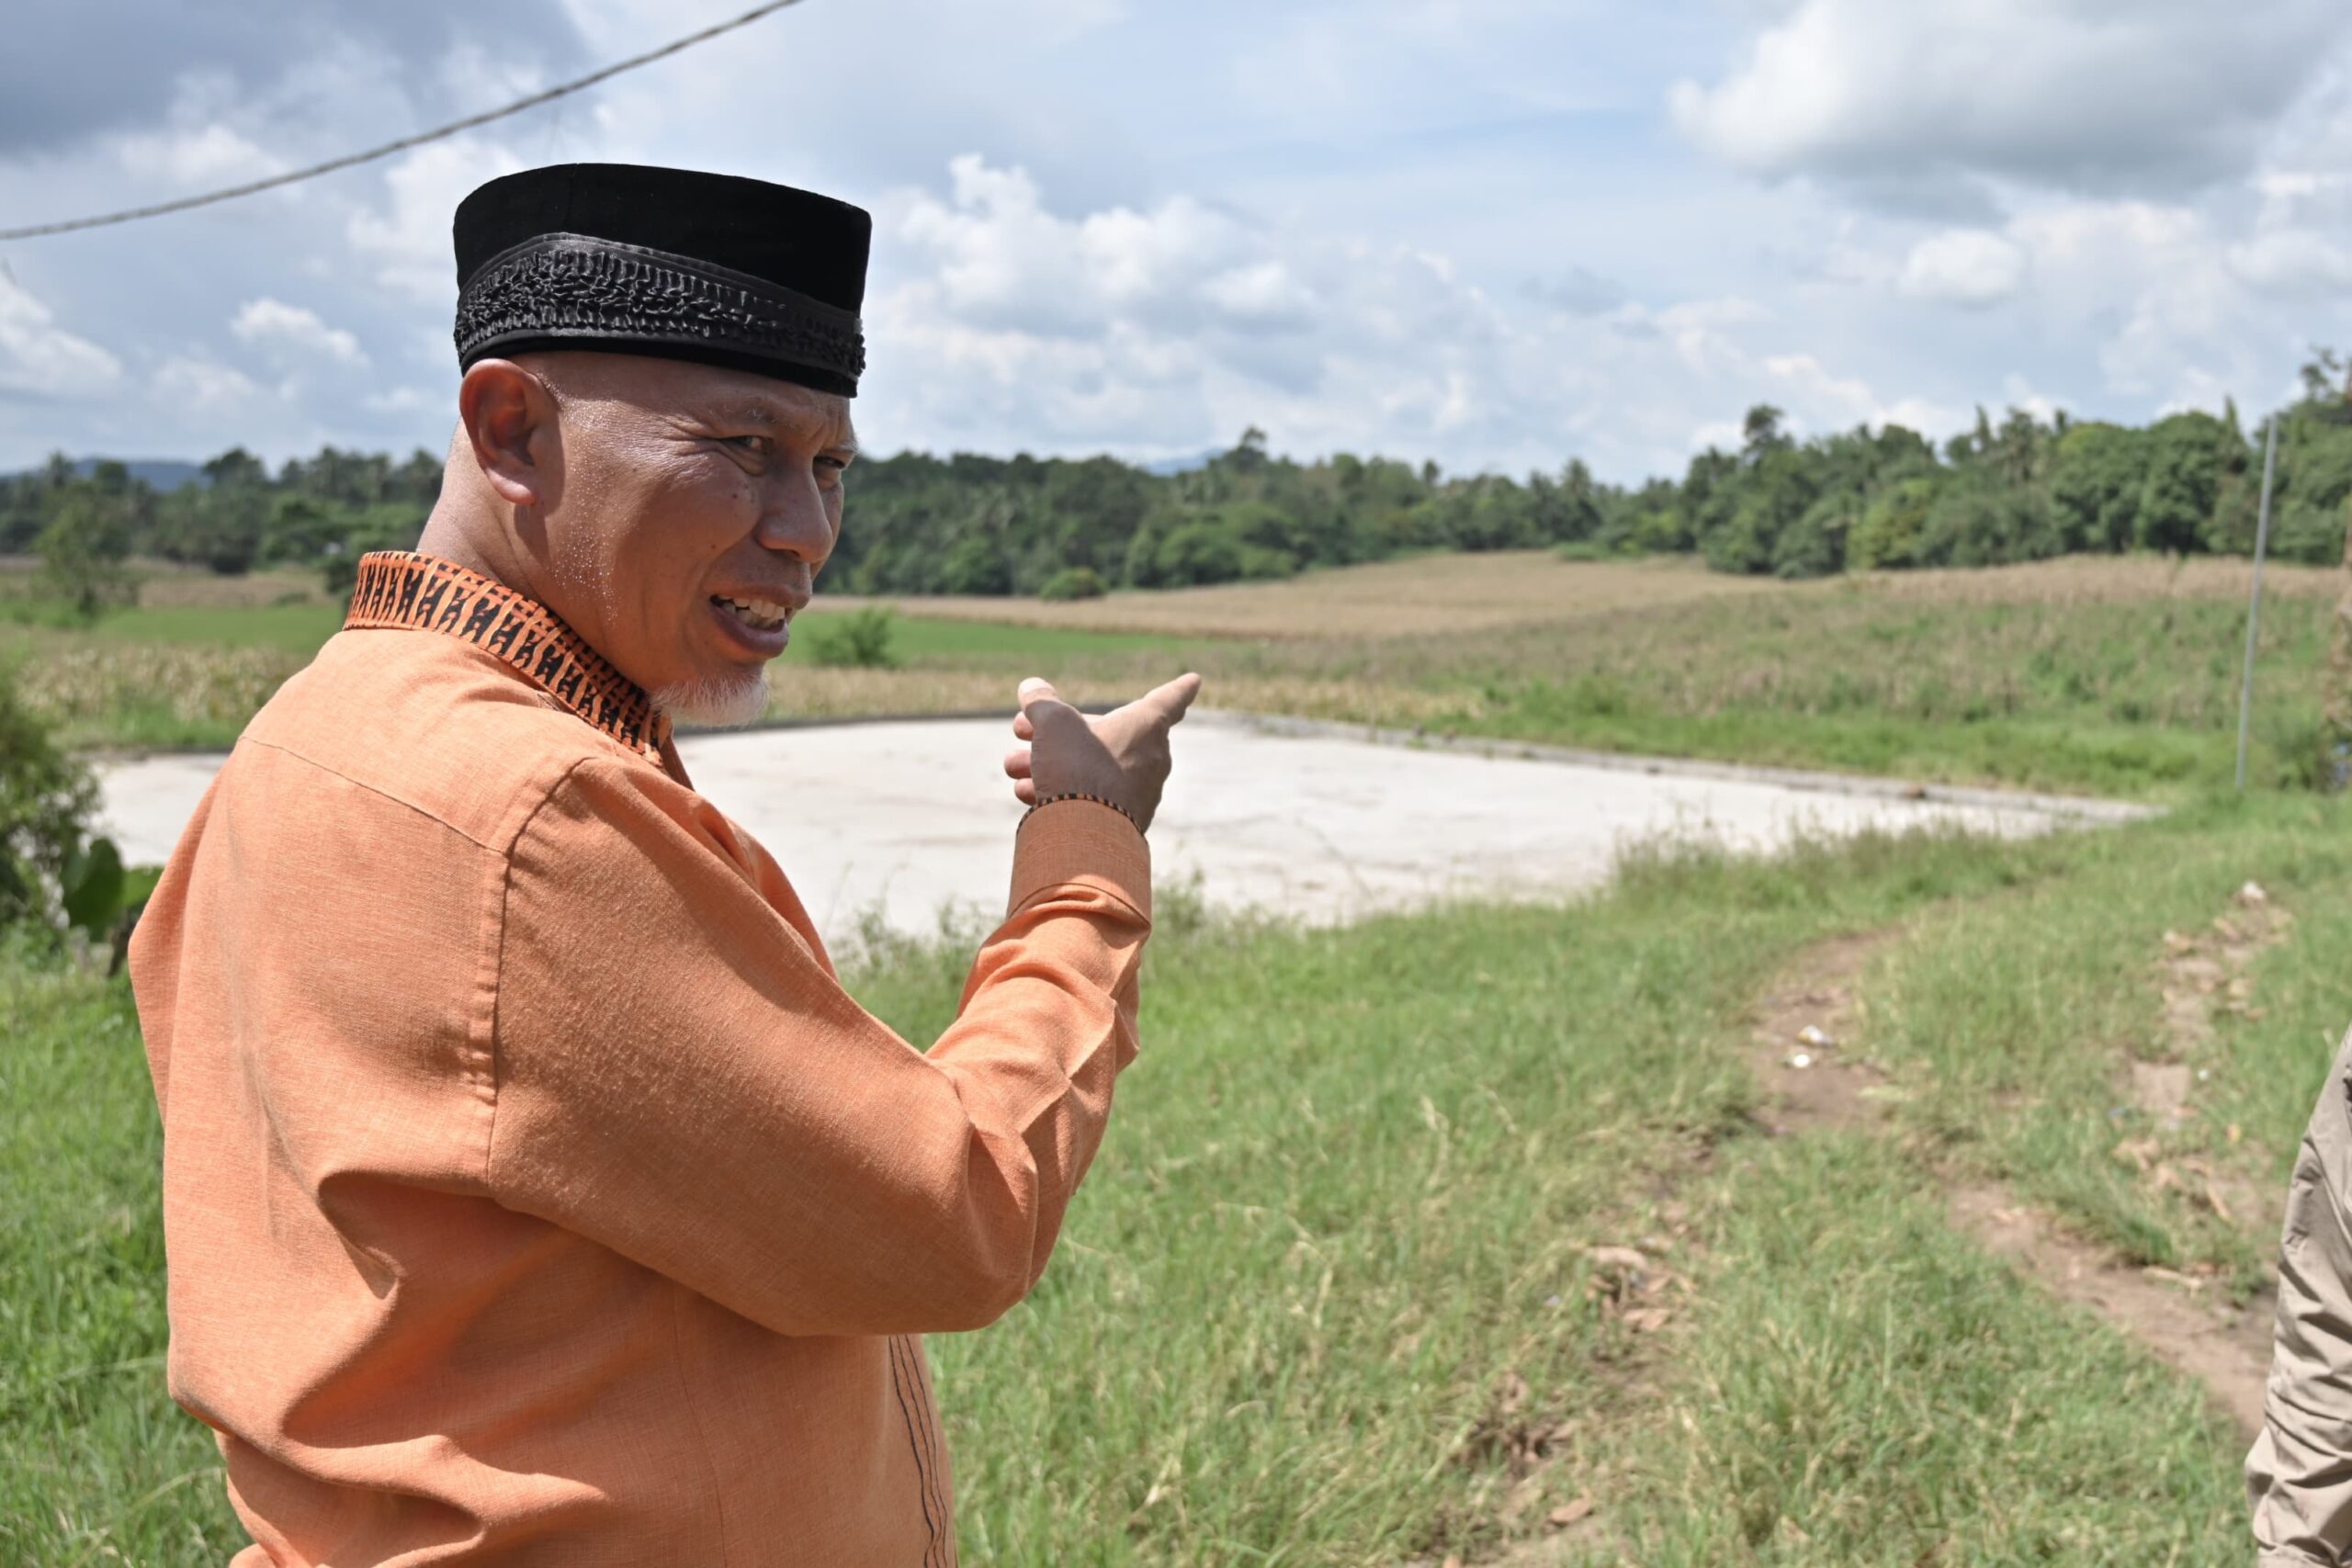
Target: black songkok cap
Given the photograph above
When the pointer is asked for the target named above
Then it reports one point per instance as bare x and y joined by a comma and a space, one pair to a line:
670, 263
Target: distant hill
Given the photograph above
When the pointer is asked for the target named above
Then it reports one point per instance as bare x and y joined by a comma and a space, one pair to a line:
160, 473
1167, 467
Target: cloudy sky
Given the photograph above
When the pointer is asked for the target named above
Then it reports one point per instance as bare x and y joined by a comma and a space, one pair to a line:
1494, 233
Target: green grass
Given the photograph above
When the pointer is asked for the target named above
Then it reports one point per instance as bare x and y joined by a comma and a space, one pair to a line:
92, 1454
2136, 697
920, 641
286, 628
1861, 1386
300, 628
1348, 1196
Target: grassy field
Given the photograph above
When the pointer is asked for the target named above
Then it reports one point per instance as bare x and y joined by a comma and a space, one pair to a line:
2105, 676
1336, 1291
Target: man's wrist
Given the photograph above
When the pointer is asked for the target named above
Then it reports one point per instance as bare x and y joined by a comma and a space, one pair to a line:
1057, 797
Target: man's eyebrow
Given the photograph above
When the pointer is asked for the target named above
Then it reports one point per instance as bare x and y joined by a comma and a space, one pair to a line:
841, 437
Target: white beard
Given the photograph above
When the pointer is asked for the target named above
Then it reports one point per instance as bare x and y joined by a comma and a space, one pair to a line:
738, 700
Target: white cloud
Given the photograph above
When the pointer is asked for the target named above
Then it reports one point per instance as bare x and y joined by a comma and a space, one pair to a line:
38, 358
411, 399
2176, 326
1963, 267
1014, 326
2090, 94
2094, 237
205, 390
2302, 241
293, 330
197, 155
2294, 261
1167, 326
409, 240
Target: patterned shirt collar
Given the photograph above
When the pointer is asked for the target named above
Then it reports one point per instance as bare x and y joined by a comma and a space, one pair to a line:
401, 589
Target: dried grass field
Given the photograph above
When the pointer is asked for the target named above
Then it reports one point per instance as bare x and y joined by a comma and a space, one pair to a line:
1429, 595
2100, 674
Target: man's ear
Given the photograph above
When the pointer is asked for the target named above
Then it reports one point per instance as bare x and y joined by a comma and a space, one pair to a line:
509, 417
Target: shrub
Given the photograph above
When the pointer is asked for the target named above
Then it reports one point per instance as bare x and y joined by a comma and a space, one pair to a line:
1072, 582
46, 798
861, 639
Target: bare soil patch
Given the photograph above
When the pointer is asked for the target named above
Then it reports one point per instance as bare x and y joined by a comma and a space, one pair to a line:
2202, 976
1808, 1052
2185, 1322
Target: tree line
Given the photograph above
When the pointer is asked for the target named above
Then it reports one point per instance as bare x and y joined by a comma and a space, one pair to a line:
2021, 488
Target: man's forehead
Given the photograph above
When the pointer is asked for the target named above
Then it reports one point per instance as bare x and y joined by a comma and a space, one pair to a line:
679, 387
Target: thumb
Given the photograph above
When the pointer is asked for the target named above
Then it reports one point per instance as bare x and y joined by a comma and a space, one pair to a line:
1036, 690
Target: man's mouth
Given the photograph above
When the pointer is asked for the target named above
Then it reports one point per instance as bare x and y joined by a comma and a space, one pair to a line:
760, 615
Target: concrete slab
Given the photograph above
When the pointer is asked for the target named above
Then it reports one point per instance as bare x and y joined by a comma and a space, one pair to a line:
905, 819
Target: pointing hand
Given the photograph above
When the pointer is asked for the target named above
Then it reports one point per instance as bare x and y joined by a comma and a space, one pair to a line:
1121, 756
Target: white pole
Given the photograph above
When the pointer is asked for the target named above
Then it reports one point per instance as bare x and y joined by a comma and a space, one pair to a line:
2254, 608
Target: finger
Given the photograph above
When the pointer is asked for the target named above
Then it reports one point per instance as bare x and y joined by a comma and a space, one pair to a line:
1037, 690
1174, 696
1016, 762
1025, 792
1022, 729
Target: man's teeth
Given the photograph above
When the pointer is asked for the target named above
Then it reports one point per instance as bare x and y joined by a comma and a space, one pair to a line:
764, 614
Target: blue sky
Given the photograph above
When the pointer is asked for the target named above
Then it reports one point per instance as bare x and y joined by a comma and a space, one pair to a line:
1495, 233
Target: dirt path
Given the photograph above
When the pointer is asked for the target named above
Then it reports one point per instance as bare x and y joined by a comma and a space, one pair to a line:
1810, 1053
1807, 1051
2224, 1346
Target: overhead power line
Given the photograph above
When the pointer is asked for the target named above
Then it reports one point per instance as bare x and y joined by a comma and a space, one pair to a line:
351, 159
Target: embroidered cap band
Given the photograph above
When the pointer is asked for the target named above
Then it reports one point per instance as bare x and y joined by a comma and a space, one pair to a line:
607, 295
674, 264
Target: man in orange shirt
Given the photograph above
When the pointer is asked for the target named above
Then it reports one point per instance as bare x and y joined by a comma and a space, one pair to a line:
534, 1194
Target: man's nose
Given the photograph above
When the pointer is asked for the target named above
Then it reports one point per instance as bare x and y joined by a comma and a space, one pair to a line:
795, 520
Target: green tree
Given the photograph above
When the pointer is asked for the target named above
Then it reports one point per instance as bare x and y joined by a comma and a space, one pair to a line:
2098, 475
2185, 466
1892, 525
84, 552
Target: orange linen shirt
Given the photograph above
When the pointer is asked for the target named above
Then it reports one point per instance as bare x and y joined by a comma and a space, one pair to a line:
532, 1192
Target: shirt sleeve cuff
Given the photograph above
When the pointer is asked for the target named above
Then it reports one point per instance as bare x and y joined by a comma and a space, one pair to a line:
1080, 841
